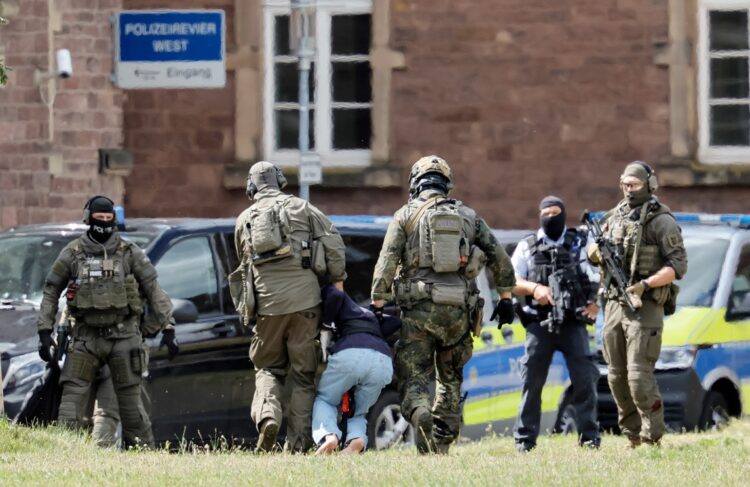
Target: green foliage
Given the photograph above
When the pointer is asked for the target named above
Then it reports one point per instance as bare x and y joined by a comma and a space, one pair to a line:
51, 456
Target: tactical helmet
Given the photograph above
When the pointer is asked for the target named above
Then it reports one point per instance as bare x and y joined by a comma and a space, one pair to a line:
264, 174
430, 165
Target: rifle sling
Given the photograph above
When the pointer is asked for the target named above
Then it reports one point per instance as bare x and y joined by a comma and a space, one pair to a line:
413, 221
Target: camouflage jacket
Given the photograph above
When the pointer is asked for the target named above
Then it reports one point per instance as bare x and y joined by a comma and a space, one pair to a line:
135, 262
392, 259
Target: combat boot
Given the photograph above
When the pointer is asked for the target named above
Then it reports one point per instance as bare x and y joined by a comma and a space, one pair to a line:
269, 428
421, 419
634, 442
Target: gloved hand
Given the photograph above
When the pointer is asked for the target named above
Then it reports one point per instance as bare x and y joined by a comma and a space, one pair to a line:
503, 312
594, 254
326, 337
45, 343
636, 292
169, 340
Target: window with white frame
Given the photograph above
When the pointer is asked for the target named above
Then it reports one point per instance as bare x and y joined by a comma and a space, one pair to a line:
340, 85
724, 81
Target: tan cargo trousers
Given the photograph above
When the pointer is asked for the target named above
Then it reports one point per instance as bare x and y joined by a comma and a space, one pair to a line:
284, 346
631, 349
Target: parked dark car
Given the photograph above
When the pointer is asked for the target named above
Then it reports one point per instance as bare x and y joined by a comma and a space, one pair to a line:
205, 392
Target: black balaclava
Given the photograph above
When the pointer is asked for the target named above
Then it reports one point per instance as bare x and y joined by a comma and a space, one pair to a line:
431, 180
553, 226
100, 230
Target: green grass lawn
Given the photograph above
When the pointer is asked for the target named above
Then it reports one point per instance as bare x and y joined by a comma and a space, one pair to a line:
52, 457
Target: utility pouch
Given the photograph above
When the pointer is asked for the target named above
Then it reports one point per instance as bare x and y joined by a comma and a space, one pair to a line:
242, 290
666, 296
282, 252
136, 360
266, 234
477, 261
445, 237
319, 265
133, 295
409, 293
477, 316
306, 255
448, 294
648, 260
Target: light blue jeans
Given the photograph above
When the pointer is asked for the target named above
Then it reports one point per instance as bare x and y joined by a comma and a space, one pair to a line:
364, 369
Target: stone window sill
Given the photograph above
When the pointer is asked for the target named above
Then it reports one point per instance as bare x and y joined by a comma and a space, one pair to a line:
680, 173
381, 175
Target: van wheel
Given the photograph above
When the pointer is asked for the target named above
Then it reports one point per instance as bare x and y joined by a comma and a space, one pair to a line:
715, 415
567, 420
386, 427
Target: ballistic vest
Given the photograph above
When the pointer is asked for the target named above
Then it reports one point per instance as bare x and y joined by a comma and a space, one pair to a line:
106, 292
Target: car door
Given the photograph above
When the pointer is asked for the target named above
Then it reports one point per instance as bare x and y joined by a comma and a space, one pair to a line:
240, 371
191, 394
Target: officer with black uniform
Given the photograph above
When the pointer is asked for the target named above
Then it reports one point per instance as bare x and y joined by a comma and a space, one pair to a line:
105, 276
552, 272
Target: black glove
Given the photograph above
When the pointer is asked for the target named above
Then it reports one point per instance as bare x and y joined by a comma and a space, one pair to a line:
169, 340
503, 312
45, 343
378, 312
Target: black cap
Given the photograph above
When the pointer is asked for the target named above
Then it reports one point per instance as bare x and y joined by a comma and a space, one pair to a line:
550, 200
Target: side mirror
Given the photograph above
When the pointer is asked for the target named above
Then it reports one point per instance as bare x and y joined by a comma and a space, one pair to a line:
739, 305
184, 311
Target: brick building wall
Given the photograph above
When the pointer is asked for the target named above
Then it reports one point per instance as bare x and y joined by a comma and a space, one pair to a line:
43, 179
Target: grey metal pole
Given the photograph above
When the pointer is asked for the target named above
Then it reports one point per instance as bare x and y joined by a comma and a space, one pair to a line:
304, 111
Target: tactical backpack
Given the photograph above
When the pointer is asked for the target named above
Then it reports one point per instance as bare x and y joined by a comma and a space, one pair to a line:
443, 243
269, 232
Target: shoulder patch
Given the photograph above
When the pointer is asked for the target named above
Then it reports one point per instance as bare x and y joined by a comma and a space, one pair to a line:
674, 238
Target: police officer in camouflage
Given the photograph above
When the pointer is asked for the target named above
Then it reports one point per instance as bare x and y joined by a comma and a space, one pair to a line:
649, 240
437, 246
107, 276
288, 244
554, 261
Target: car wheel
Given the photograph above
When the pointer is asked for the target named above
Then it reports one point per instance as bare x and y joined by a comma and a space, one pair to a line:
386, 426
715, 415
567, 420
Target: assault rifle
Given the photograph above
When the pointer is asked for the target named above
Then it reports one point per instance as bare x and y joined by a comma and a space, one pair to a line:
564, 294
611, 259
63, 339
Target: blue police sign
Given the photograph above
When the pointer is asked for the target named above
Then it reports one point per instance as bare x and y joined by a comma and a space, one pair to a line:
170, 49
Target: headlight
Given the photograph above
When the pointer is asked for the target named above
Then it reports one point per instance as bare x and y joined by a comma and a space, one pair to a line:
22, 369
676, 358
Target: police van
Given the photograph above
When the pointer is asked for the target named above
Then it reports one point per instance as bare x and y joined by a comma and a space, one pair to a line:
704, 367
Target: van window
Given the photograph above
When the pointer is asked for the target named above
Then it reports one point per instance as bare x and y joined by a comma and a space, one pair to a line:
740, 296
705, 259
187, 271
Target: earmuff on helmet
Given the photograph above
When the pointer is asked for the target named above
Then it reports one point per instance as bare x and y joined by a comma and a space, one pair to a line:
258, 170
652, 183
87, 211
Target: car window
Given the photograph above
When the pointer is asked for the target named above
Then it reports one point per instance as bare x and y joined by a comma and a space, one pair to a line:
25, 262
741, 284
705, 259
187, 271
361, 255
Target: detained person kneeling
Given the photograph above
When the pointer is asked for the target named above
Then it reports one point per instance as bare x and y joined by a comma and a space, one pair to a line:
360, 359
